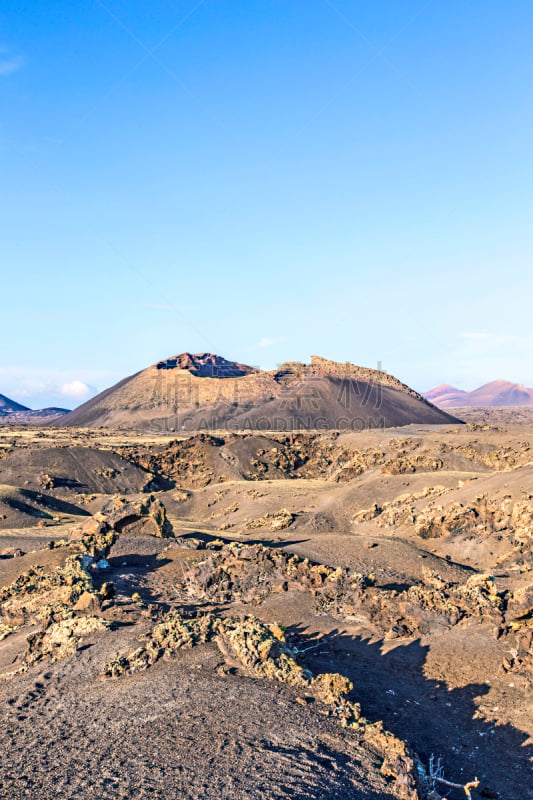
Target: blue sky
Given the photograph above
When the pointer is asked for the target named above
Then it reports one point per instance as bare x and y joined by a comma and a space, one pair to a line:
264, 180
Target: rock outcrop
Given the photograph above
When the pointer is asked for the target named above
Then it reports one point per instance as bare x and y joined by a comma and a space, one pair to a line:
145, 516
263, 651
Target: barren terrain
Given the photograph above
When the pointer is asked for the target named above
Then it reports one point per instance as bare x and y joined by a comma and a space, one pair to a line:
244, 615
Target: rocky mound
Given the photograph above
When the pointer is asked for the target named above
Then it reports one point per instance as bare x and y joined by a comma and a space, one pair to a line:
263, 651
206, 392
206, 365
203, 459
24, 508
75, 469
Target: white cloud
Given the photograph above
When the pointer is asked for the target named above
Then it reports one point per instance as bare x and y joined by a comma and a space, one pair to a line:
76, 390
39, 388
266, 341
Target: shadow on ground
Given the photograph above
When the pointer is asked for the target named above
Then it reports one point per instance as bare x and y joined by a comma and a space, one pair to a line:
433, 719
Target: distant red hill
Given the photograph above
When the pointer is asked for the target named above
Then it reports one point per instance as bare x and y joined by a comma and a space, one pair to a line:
495, 393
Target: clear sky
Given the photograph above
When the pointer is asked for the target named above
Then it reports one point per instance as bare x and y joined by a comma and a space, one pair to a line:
265, 180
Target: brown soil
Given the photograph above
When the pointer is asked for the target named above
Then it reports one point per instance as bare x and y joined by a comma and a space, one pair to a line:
299, 615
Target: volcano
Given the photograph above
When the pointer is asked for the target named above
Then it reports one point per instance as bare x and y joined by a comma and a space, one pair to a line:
191, 392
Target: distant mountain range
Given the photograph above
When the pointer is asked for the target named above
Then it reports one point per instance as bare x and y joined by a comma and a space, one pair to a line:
203, 391
8, 406
493, 394
12, 412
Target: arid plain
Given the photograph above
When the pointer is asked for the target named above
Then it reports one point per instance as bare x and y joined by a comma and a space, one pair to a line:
312, 614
